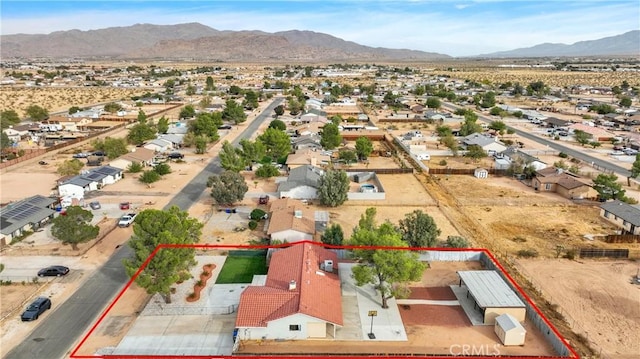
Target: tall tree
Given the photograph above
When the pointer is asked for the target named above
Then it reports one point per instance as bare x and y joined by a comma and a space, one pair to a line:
231, 158
470, 124
233, 112
635, 170
279, 110
387, 269
153, 227
330, 137
333, 188
278, 125
5, 141
206, 124
433, 102
364, 147
163, 125
348, 156
74, 227
112, 147
227, 188
608, 187
70, 167
187, 112
37, 113
141, 132
209, 84
250, 101
333, 235
112, 107
582, 137
475, 152
451, 143
276, 143
8, 118
253, 151
419, 229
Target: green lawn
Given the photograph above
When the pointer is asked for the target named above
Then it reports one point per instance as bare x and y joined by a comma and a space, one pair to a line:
241, 269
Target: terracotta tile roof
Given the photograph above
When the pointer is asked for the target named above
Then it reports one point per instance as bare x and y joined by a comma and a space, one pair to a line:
317, 293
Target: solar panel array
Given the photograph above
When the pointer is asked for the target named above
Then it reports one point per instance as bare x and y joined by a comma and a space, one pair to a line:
21, 212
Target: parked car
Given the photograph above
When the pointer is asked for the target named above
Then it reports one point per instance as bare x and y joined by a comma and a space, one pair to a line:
617, 153
224, 127
95, 205
53, 271
98, 153
43, 163
81, 155
263, 200
630, 152
126, 220
175, 156
36, 308
124, 205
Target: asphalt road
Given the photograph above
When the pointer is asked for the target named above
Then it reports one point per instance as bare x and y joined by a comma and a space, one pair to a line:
558, 146
61, 328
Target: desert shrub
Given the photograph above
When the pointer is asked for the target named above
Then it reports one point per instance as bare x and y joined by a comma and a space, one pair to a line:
570, 254
527, 253
519, 239
162, 169
457, 242
253, 225
257, 214
134, 167
442, 162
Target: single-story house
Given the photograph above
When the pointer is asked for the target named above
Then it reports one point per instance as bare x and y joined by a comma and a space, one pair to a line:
554, 122
176, 139
141, 155
564, 183
302, 183
513, 154
28, 214
300, 299
292, 221
307, 157
92, 180
487, 143
623, 215
597, 134
159, 145
14, 135
73, 124
306, 142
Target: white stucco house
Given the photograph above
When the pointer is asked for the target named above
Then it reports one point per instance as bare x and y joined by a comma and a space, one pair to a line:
300, 299
92, 180
302, 183
159, 145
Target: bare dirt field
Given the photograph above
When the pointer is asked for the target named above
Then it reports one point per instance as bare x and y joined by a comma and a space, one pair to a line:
596, 298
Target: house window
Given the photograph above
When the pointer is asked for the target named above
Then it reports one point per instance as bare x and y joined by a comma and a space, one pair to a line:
607, 214
294, 327
547, 186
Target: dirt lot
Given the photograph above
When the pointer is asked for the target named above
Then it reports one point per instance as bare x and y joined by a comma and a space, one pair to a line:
597, 299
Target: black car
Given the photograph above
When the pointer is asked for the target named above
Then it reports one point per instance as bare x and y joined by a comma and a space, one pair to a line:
99, 154
53, 271
36, 308
175, 156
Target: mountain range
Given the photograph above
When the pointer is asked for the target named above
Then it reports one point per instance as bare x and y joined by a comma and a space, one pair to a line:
194, 41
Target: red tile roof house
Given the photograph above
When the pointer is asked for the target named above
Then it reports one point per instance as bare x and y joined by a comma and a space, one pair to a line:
301, 298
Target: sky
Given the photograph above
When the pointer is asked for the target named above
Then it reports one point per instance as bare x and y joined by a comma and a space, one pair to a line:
456, 28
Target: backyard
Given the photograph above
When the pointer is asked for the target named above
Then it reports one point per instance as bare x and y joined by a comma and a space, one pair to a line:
241, 266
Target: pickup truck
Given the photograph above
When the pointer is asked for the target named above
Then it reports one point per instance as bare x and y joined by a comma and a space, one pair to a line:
126, 220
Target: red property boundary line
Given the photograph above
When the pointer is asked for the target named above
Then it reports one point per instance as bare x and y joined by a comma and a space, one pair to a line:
225, 246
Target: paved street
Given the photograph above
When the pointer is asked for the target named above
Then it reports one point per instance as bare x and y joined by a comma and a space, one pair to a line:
55, 335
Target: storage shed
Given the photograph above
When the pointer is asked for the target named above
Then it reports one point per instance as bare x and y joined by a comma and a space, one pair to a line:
481, 173
491, 295
509, 330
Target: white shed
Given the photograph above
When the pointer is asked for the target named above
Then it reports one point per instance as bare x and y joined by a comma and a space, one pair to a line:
481, 173
509, 330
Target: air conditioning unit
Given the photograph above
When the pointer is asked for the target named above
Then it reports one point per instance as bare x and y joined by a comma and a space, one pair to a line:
328, 265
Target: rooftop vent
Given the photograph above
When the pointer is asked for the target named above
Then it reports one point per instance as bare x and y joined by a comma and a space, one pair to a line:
292, 285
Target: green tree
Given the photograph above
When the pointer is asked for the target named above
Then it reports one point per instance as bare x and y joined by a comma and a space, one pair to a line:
444, 131
190, 91
364, 147
135, 167
495, 111
70, 167
595, 144
162, 169
457, 242
294, 106
112, 147
250, 101
635, 170
333, 235
150, 176
8, 118
152, 228
140, 133
252, 151
278, 125
74, 109
276, 143
163, 125
187, 112
608, 187
112, 107
5, 142
498, 126
348, 156
209, 84
206, 124
333, 188
267, 171
279, 110
387, 269
433, 102
470, 125
488, 99
233, 112
200, 142
37, 113
227, 188
582, 137
419, 229
231, 158
330, 137
451, 143
625, 101
74, 227
537, 88
475, 152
